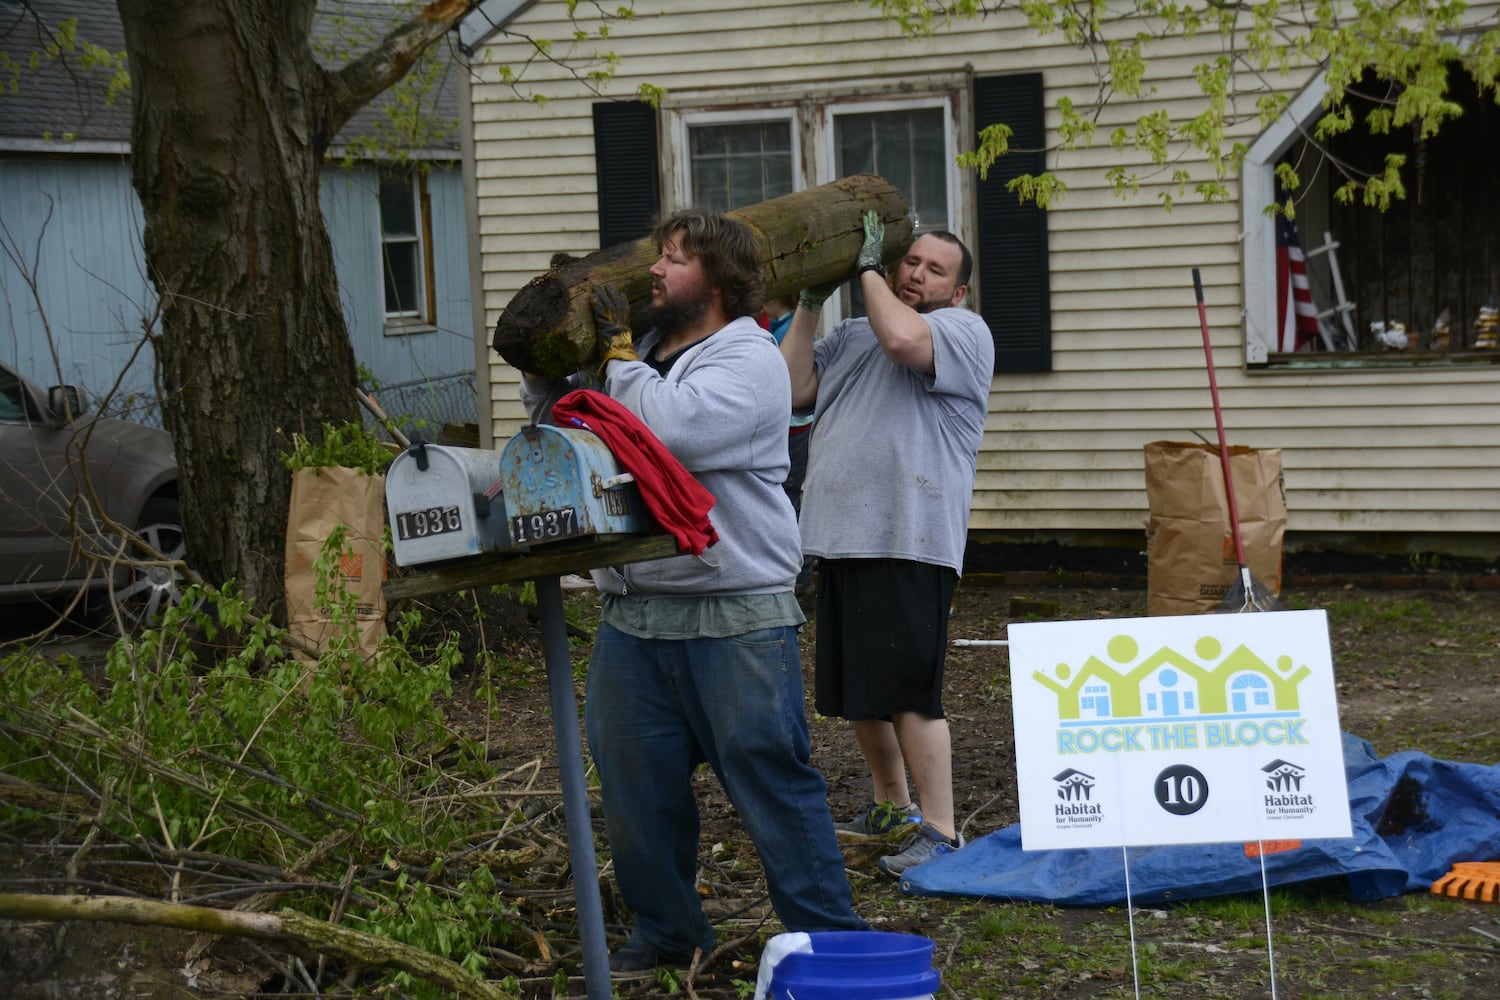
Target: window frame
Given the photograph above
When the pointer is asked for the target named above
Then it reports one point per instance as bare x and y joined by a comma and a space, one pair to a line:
423, 317
813, 132
682, 123
951, 125
1257, 191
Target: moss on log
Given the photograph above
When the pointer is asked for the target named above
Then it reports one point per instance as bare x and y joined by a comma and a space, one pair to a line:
807, 238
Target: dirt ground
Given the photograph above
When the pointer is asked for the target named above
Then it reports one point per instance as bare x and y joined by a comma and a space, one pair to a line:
1416, 669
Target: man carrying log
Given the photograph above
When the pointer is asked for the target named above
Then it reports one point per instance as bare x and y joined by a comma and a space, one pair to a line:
696, 657
901, 398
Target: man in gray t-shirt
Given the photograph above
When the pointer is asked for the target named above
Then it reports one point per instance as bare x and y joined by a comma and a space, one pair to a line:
901, 398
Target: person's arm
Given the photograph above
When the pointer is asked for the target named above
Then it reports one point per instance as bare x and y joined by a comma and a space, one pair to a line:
902, 332
797, 348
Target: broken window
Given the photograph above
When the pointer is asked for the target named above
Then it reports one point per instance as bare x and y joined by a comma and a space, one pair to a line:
1414, 283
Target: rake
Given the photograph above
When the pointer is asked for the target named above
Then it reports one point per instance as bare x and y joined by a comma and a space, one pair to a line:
1476, 880
1247, 593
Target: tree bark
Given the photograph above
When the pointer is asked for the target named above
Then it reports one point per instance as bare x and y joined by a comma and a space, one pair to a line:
807, 238
232, 115
285, 926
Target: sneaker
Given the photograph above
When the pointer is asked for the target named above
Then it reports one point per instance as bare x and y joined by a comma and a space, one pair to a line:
879, 819
924, 845
572, 581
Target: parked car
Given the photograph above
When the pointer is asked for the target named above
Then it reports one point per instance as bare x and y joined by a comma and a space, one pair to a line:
67, 476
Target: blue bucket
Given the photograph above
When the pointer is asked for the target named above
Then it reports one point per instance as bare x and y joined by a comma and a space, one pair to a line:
858, 965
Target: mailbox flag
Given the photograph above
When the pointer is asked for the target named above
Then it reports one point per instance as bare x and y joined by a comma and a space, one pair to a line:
679, 502
1294, 304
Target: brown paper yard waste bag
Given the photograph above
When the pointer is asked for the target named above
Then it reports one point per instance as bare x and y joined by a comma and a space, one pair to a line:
1190, 557
322, 499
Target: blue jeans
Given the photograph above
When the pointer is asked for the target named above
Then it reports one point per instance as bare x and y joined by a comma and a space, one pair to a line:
656, 709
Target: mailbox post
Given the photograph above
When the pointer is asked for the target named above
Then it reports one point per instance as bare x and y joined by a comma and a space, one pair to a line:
552, 502
574, 789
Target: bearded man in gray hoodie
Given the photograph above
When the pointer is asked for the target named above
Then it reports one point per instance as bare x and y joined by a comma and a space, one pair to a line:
696, 657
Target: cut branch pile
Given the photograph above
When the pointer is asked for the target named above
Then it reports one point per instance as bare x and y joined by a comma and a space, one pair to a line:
471, 885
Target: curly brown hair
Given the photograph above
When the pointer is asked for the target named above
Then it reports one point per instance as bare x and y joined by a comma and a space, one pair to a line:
730, 253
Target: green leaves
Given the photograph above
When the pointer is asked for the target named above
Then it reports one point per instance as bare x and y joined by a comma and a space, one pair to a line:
350, 445
251, 755
1267, 51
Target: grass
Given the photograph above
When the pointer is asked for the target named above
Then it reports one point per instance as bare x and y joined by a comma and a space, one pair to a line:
1323, 945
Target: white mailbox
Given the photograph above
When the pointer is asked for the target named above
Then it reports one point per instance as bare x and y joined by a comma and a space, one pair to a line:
445, 503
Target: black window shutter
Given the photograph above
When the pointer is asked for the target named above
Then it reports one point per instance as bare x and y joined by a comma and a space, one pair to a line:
625, 158
1012, 246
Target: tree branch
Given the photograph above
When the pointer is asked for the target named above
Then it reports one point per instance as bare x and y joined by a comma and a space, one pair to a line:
354, 86
285, 926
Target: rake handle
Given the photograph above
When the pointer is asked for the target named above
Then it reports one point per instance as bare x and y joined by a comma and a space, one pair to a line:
1213, 388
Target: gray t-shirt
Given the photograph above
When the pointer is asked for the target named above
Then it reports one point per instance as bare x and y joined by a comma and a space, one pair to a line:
893, 451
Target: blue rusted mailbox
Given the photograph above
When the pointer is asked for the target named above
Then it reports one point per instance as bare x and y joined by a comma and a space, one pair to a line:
562, 482
445, 503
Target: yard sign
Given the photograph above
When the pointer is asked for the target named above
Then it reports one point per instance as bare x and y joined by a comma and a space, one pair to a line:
1177, 730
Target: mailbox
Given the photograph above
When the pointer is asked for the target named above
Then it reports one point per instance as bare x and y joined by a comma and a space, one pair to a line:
445, 503
563, 482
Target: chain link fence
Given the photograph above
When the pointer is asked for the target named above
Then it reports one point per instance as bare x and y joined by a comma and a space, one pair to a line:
137, 407
443, 409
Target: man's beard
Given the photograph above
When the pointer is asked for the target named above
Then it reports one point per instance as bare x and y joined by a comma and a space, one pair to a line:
925, 305
671, 318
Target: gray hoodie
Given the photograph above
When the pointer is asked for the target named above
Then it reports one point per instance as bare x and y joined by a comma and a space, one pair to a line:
722, 411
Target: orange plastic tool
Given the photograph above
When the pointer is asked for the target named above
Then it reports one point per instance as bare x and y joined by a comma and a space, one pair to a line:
1477, 880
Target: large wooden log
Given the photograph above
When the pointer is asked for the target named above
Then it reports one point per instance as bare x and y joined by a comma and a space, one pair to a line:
807, 238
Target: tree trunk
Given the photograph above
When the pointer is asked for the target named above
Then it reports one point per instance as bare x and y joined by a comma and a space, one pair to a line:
226, 148
232, 117
807, 238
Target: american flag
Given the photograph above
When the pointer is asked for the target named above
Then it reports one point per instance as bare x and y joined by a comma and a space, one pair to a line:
1294, 305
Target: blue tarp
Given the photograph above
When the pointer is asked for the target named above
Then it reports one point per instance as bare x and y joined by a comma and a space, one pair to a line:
1413, 818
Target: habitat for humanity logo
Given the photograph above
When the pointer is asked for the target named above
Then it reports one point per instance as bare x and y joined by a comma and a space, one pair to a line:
1166, 700
1285, 798
1074, 808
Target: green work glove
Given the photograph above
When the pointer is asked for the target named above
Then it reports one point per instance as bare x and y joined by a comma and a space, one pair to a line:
612, 326
874, 248
813, 297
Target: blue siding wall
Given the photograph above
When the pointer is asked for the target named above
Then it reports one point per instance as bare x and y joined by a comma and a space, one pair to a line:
94, 294
75, 225
351, 205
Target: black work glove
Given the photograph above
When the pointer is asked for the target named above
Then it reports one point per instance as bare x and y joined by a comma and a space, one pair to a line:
612, 326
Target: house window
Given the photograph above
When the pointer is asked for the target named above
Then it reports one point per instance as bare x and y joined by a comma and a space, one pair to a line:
728, 159
910, 147
736, 163
771, 145
1408, 286
406, 252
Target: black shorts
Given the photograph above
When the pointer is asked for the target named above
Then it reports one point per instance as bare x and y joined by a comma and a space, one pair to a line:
882, 636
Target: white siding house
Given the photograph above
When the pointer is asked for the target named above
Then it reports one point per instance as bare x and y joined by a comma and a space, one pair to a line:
1095, 311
